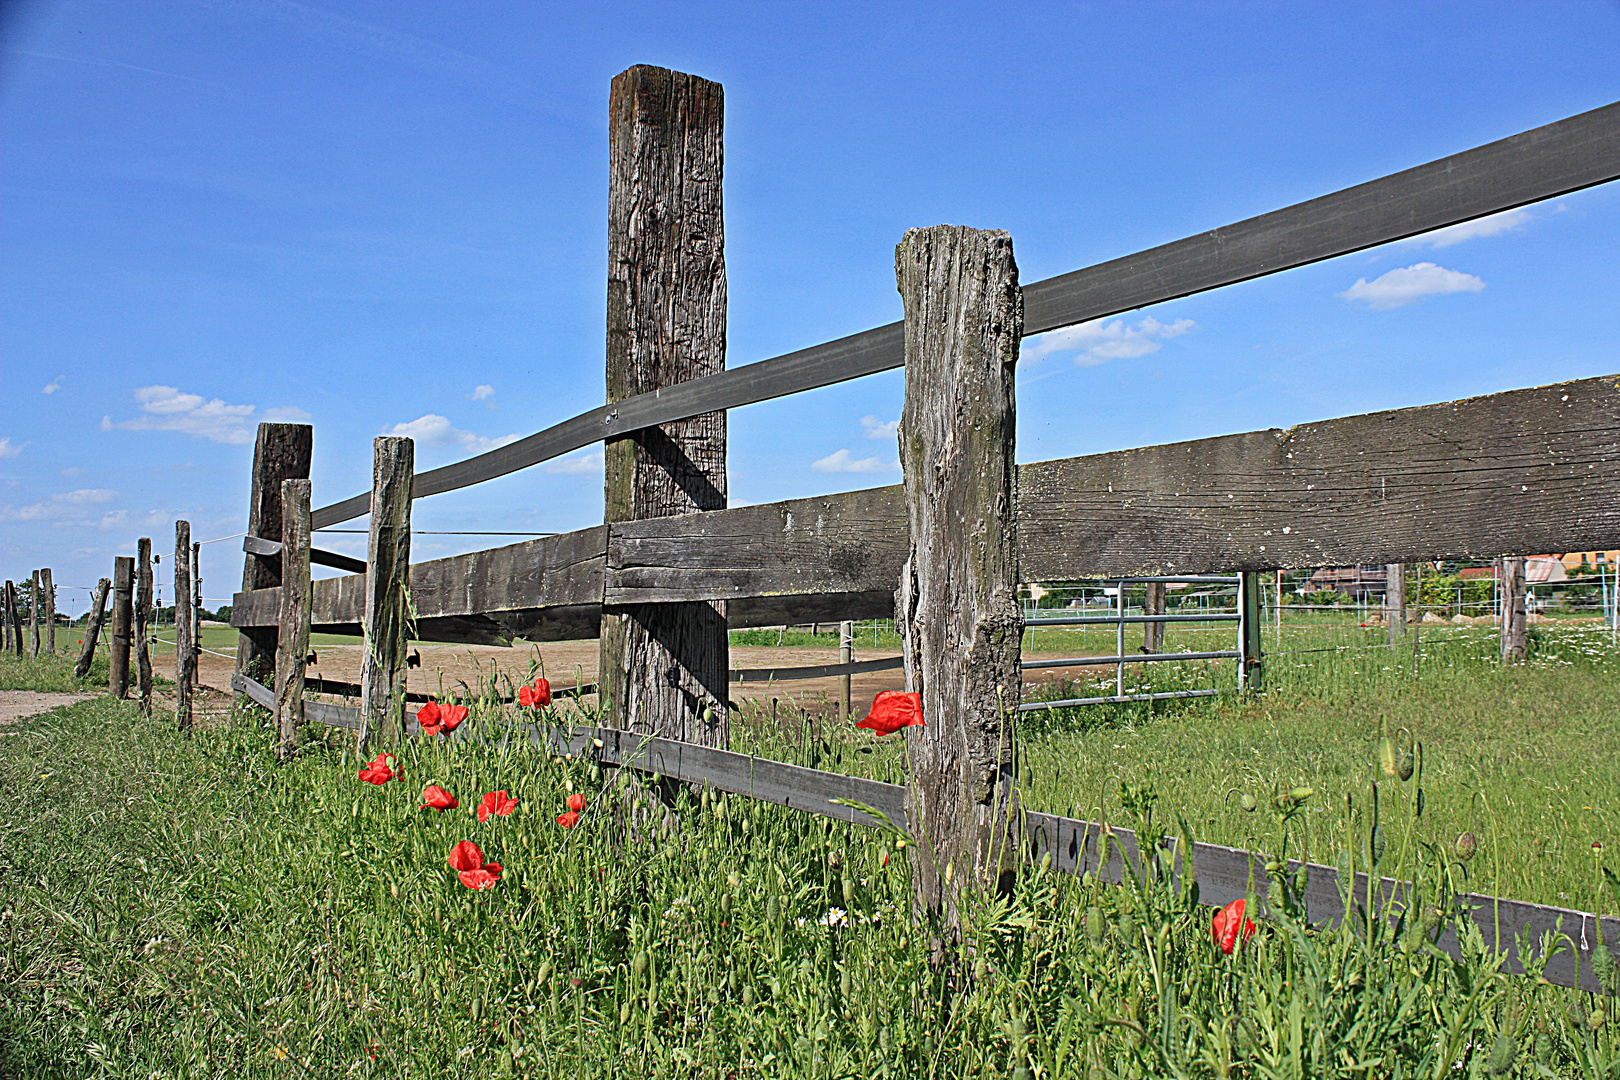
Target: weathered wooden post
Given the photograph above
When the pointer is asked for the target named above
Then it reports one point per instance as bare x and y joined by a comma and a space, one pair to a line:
663, 667
957, 607
846, 654
1153, 599
15, 605
387, 611
143, 617
1395, 601
33, 615
292, 640
282, 452
1515, 643
183, 656
92, 627
123, 585
1251, 632
5, 618
48, 598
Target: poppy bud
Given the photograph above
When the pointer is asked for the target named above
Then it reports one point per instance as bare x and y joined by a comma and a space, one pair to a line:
835, 861
624, 1014
846, 985
1300, 794
981, 968
576, 982
1467, 844
849, 893
1247, 801
748, 996
1405, 769
1094, 924
638, 965
544, 974
1386, 755
1379, 843
733, 881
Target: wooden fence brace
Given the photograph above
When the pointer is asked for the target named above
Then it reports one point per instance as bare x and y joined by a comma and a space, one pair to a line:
281, 452
1395, 601
292, 641
143, 619
1251, 632
123, 588
1515, 644
662, 667
957, 608
33, 615
387, 608
846, 655
5, 619
92, 627
48, 597
184, 657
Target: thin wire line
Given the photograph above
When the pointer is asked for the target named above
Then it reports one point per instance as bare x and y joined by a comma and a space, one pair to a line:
428, 532
233, 536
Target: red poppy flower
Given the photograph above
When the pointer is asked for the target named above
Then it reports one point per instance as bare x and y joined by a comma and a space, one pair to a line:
569, 819
576, 802
468, 863
435, 718
380, 770
537, 696
437, 798
498, 803
893, 710
1228, 921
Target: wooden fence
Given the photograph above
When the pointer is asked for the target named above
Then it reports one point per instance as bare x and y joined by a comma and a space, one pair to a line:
671, 567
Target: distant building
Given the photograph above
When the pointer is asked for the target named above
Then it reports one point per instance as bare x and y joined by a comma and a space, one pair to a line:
1574, 560
1538, 570
1356, 582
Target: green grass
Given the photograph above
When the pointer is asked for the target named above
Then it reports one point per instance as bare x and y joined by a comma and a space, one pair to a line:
186, 907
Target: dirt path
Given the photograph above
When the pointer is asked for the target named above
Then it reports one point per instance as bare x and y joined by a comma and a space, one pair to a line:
18, 705
568, 663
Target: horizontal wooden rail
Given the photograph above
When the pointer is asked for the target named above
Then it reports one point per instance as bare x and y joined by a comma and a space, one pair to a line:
1513, 473
1545, 162
820, 671
1223, 874
253, 545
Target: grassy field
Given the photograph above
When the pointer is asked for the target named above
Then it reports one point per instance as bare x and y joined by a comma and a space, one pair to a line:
185, 907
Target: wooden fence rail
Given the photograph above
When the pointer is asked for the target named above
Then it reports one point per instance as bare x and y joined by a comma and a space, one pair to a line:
1223, 873
1522, 471
1542, 163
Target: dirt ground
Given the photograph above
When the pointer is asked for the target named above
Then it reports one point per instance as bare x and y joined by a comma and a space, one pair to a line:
18, 705
570, 663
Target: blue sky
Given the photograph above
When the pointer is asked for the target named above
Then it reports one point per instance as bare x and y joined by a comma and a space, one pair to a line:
213, 213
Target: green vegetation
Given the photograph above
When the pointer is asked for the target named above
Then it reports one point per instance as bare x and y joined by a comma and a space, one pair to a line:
185, 907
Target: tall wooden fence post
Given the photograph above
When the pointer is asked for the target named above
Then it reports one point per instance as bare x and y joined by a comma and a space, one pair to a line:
123, 588
92, 627
663, 667
1395, 601
281, 452
387, 610
1251, 632
33, 615
143, 617
1153, 599
1515, 643
292, 641
957, 606
183, 656
15, 603
13, 617
48, 596
5, 618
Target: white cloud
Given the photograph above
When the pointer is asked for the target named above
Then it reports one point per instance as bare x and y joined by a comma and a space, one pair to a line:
9, 451
842, 462
436, 430
877, 429
483, 392
583, 465
1100, 340
167, 409
1410, 283
67, 506
52, 387
1493, 225
72, 471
